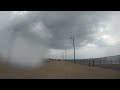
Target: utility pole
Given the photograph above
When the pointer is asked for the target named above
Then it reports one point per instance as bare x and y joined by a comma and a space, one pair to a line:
62, 56
73, 47
65, 54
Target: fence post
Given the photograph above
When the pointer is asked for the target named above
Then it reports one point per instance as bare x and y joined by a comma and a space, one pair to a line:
100, 61
89, 63
93, 63
111, 61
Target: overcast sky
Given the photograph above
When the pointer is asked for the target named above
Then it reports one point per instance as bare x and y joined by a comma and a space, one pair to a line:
42, 34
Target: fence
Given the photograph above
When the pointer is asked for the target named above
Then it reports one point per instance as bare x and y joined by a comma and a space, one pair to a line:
99, 62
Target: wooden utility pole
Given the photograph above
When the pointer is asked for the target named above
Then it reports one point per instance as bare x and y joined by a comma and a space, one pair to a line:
74, 48
65, 54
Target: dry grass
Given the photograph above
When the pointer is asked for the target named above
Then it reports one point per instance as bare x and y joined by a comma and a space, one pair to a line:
59, 70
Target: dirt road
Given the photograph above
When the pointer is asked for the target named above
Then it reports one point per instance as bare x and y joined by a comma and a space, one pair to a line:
59, 70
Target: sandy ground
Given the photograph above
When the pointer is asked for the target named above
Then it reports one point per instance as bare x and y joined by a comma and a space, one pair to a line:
59, 70
109, 66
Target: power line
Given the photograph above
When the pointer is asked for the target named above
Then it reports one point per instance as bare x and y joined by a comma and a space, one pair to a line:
99, 47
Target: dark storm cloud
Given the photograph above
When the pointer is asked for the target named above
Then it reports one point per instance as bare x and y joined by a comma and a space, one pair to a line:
61, 25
